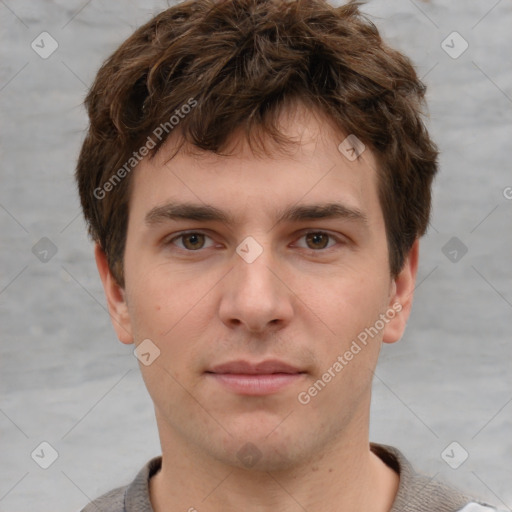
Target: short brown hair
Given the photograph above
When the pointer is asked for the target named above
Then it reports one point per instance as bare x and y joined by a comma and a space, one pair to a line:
238, 62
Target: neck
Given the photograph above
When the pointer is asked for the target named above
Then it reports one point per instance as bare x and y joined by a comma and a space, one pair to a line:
344, 476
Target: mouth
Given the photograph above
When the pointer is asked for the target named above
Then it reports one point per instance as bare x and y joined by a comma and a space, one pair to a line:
245, 378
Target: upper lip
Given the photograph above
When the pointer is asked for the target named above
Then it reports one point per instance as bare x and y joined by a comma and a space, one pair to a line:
245, 367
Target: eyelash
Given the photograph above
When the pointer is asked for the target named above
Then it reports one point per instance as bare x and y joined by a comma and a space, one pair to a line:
314, 252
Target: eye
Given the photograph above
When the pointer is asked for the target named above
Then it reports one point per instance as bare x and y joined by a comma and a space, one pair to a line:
192, 241
318, 240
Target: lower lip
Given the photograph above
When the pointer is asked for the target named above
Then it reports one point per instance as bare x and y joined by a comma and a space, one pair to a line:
245, 384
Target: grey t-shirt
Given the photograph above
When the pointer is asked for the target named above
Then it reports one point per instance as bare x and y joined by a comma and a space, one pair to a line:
416, 492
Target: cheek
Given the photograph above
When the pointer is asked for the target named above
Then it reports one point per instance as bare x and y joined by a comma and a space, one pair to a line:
173, 314
153, 309
354, 303
351, 310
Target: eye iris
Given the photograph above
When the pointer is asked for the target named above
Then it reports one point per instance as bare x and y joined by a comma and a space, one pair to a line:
315, 237
194, 237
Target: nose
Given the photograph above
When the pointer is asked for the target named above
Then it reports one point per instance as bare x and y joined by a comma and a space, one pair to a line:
256, 294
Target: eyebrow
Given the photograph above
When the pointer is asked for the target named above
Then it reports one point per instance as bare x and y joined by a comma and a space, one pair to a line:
295, 213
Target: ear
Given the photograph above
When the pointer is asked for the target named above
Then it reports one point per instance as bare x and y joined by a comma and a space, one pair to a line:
400, 300
115, 298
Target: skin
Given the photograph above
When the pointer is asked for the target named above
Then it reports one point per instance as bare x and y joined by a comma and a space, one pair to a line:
302, 301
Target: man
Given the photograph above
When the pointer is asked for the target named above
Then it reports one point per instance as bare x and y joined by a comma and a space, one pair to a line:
256, 177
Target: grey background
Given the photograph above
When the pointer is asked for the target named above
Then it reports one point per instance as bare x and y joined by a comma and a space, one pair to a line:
65, 378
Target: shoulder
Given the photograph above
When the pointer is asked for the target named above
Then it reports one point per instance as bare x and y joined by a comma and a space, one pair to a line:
420, 493
112, 501
473, 506
133, 497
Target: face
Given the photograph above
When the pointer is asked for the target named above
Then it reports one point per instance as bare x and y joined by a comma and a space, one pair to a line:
265, 309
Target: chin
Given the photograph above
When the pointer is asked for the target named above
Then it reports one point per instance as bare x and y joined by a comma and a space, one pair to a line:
256, 450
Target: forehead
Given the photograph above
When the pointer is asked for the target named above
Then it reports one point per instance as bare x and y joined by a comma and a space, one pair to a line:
318, 168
